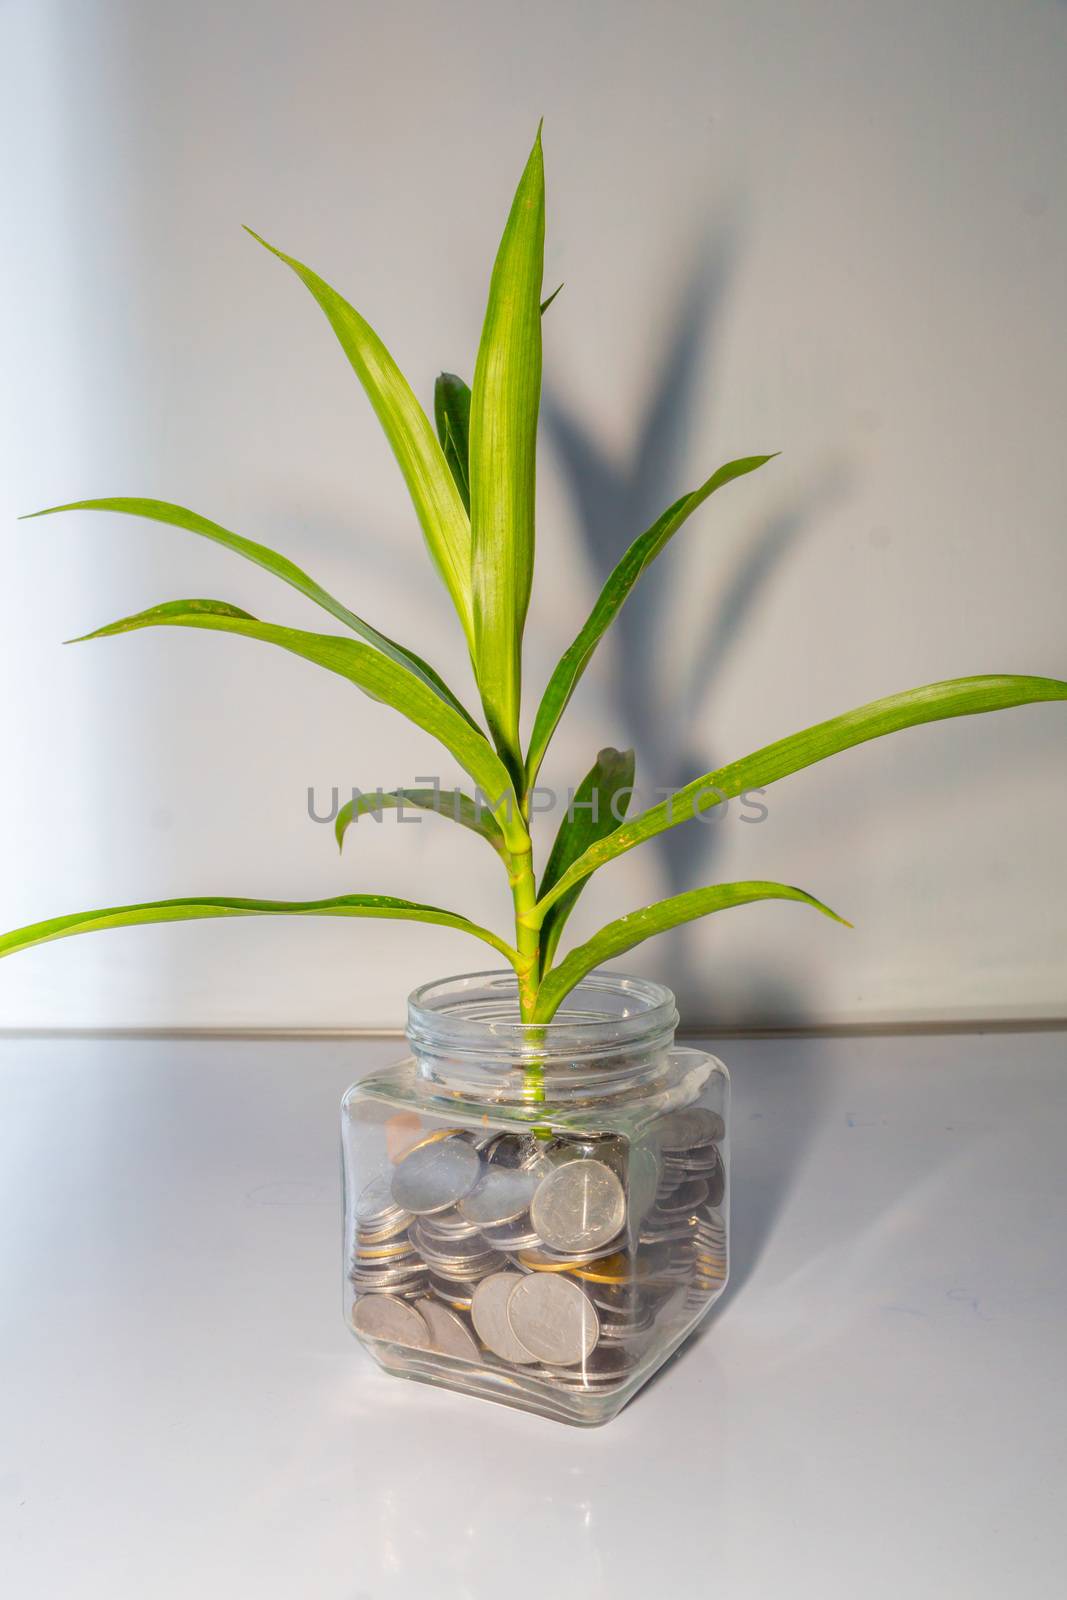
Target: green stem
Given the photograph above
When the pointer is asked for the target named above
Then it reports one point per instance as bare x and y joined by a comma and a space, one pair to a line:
528, 945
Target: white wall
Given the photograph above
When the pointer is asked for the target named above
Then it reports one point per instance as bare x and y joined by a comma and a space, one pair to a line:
833, 229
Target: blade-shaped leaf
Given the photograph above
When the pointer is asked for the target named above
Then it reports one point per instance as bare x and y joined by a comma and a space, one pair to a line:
280, 566
436, 499
644, 550
188, 910
503, 443
452, 414
452, 803
372, 672
546, 303
957, 697
620, 936
600, 803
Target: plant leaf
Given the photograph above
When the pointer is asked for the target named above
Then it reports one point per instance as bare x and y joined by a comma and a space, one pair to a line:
631, 930
594, 807
956, 697
280, 566
187, 910
644, 550
452, 414
546, 303
451, 803
503, 442
368, 669
436, 499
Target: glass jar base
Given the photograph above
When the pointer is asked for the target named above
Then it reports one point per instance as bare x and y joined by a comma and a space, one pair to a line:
584, 1401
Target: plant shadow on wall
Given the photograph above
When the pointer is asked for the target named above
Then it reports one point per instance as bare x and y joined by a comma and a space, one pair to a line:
659, 696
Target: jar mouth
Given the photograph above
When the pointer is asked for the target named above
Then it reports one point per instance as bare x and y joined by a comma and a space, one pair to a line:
478, 1013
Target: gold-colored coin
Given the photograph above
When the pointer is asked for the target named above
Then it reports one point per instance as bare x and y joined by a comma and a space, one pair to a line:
619, 1268
536, 1263
385, 1233
384, 1253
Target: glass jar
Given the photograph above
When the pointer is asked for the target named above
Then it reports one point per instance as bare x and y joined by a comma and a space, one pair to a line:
536, 1213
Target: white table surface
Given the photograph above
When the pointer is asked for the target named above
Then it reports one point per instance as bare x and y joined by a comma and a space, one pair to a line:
877, 1408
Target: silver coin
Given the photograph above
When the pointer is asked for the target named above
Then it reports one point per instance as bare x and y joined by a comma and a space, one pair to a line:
642, 1180
448, 1333
502, 1196
489, 1313
520, 1150
434, 1176
379, 1316
608, 1365
691, 1128
510, 1239
445, 1226
375, 1204
551, 1316
462, 1249
579, 1207
403, 1287
458, 1295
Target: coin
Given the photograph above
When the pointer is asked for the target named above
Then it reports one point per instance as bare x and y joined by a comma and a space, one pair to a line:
490, 1317
515, 1150
537, 1261
458, 1295
502, 1196
642, 1180
519, 1236
552, 1317
619, 1268
403, 1280
380, 1316
375, 1207
448, 1333
608, 1365
385, 1252
436, 1175
691, 1128
716, 1185
578, 1207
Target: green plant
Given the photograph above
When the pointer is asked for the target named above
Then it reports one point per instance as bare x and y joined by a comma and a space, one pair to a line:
472, 485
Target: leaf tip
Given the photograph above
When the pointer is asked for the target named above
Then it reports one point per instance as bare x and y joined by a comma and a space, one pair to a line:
258, 237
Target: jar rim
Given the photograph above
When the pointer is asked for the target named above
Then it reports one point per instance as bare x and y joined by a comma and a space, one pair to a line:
479, 1010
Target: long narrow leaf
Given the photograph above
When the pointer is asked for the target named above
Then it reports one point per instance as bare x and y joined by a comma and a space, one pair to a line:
452, 803
188, 910
600, 803
503, 442
434, 494
644, 550
372, 672
279, 566
622, 935
957, 697
452, 414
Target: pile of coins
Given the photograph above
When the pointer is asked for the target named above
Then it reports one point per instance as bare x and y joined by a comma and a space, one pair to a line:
506, 1248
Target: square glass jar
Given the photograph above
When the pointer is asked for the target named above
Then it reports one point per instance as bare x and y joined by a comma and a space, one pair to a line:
536, 1213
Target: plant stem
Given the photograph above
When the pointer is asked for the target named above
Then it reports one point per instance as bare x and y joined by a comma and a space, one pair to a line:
528, 945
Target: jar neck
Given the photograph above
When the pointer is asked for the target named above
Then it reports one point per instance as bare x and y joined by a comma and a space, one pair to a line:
610, 1038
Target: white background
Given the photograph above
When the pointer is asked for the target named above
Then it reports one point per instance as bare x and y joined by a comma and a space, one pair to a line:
833, 229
